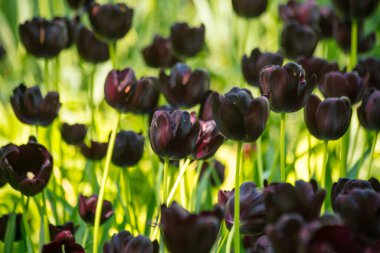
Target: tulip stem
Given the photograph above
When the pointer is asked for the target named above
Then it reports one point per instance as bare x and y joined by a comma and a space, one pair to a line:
92, 106
28, 239
282, 148
345, 142
354, 44
99, 204
46, 74
324, 164
237, 199
112, 51
259, 162
231, 234
57, 73
178, 180
44, 218
372, 153
165, 181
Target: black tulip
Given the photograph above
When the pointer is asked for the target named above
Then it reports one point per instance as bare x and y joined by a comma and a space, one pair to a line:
87, 209
4, 223
33, 109
44, 38
298, 40
317, 67
76, 4
160, 53
186, 40
54, 230
63, 242
328, 119
184, 87
368, 68
95, 151
129, 148
238, 115
173, 135
167, 108
287, 87
125, 242
73, 134
306, 13
358, 10
369, 110
111, 21
27, 167
71, 26
90, 48
326, 23
249, 8
205, 110
217, 172
185, 232
257, 244
252, 65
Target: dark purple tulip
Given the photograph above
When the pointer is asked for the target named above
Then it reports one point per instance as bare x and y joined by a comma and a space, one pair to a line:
249, 8
125, 242
111, 21
33, 109
96, 150
185, 232
90, 48
328, 119
129, 148
126, 94
318, 67
3, 227
184, 87
217, 172
326, 23
73, 134
368, 68
369, 110
43, 38
87, 209
56, 230
205, 110
253, 216
355, 9
306, 13
238, 115
342, 35
159, 54
167, 108
303, 198
252, 65
286, 86
27, 167
186, 40
76, 4
338, 84
64, 242
173, 135
71, 26
262, 244
298, 40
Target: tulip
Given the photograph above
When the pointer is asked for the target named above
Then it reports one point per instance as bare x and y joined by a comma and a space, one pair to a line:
89, 47
43, 38
87, 208
238, 115
318, 67
249, 8
298, 40
205, 110
125, 242
129, 148
71, 26
252, 65
253, 216
184, 87
4, 223
54, 231
369, 110
262, 244
126, 94
73, 134
159, 54
185, 232
33, 109
167, 108
187, 41
328, 119
358, 10
326, 23
76, 4
27, 168
64, 240
368, 68
303, 198
306, 13
173, 135
96, 150
217, 172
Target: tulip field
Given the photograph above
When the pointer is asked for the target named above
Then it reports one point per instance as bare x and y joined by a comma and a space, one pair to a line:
189, 126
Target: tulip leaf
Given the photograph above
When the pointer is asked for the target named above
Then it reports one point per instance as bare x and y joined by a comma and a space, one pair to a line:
354, 171
10, 233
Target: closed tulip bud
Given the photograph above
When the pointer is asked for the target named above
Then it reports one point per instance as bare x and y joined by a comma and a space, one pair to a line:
327, 19
252, 65
317, 67
238, 115
125, 242
76, 4
27, 168
328, 119
173, 135
129, 148
286, 86
186, 232
33, 109
56, 230
43, 38
184, 87
4, 223
368, 69
187, 41
303, 198
95, 151
306, 13
159, 54
90, 48
217, 171
369, 110
70, 26
358, 10
111, 21
167, 108
249, 8
73, 134
298, 40
87, 209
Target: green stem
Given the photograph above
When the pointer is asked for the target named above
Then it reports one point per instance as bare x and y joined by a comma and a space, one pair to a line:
237, 199
224, 238
92, 105
46, 75
44, 218
128, 200
99, 204
178, 180
282, 148
372, 153
36, 5
165, 180
354, 44
324, 168
260, 170
57, 73
345, 142
28, 235
85, 236
231, 234
309, 154
112, 51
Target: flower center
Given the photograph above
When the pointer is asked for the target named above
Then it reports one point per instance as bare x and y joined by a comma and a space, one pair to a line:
30, 175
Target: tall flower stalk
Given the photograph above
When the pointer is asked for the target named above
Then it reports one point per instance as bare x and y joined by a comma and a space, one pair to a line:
237, 198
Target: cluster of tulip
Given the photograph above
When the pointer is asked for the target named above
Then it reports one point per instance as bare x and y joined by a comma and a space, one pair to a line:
273, 217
